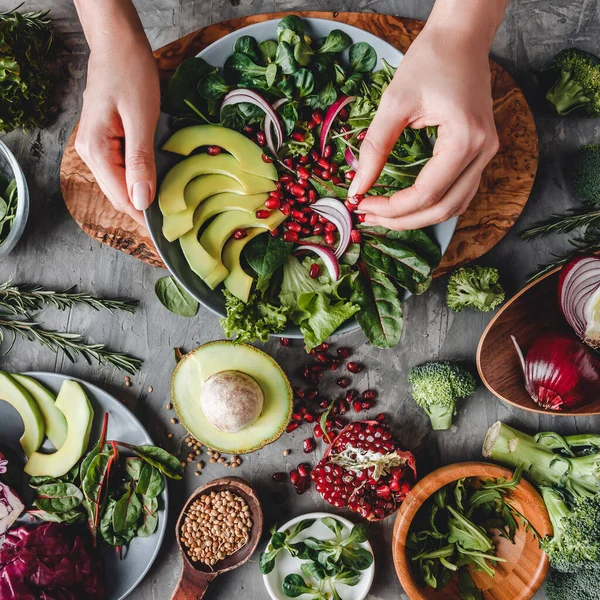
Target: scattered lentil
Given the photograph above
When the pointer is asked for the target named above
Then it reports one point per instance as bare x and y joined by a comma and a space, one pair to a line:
127, 381
174, 421
286, 452
169, 406
150, 389
169, 435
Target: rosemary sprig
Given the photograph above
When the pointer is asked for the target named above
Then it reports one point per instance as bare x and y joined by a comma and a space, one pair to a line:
563, 224
71, 344
23, 299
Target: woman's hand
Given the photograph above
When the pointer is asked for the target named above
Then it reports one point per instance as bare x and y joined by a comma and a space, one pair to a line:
121, 104
443, 80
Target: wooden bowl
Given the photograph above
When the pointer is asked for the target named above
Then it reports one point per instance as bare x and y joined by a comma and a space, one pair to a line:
533, 311
527, 566
196, 576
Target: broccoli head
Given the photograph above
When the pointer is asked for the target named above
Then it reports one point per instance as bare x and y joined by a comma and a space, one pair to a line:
582, 585
474, 287
436, 386
583, 171
578, 84
576, 537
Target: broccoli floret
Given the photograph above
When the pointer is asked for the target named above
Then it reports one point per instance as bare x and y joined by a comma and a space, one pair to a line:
582, 585
583, 171
578, 84
474, 287
436, 386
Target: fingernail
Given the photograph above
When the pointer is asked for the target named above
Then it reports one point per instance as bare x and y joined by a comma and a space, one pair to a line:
353, 189
141, 195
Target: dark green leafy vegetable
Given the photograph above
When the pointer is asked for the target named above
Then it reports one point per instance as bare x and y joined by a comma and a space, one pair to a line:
164, 461
183, 86
58, 497
127, 511
9, 200
285, 58
268, 50
363, 57
292, 23
174, 298
248, 45
336, 41
281, 540
265, 254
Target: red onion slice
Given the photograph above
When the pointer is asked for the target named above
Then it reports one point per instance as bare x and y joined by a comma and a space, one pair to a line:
330, 115
338, 214
272, 122
326, 255
351, 159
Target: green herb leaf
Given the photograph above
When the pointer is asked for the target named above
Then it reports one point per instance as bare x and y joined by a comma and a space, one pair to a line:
127, 511
336, 41
174, 298
248, 45
164, 461
285, 58
363, 57
149, 517
151, 482
58, 497
183, 86
293, 23
69, 516
268, 50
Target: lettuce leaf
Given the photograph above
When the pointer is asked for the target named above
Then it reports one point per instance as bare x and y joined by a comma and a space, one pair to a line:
254, 320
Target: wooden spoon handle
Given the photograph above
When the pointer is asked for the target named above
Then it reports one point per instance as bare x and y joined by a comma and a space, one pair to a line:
192, 587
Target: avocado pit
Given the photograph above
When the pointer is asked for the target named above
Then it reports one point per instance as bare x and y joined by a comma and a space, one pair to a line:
231, 401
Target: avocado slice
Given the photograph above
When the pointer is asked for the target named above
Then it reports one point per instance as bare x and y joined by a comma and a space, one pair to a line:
238, 282
75, 406
18, 397
196, 367
171, 197
204, 255
200, 188
213, 206
246, 152
55, 423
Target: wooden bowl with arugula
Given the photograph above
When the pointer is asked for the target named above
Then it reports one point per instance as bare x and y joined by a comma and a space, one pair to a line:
434, 539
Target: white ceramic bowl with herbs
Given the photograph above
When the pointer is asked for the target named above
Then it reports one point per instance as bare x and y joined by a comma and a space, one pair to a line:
14, 201
351, 579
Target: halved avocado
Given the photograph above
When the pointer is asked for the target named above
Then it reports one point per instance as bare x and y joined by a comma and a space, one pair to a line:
196, 367
206, 261
200, 188
55, 423
238, 282
18, 397
75, 406
246, 152
171, 193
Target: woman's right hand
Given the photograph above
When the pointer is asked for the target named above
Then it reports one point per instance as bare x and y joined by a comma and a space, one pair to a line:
121, 104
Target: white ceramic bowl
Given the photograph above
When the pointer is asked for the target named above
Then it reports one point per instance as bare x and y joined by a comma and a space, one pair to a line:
11, 169
286, 565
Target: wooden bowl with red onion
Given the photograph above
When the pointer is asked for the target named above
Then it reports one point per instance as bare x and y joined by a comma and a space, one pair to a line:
538, 351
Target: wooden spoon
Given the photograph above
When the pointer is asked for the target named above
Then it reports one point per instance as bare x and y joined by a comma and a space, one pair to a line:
195, 577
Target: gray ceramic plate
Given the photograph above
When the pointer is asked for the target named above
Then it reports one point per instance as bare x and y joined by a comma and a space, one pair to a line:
121, 576
216, 54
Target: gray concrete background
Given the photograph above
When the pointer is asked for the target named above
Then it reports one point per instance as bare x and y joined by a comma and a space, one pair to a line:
54, 252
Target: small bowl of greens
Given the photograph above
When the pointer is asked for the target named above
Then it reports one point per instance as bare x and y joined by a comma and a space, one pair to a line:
14, 201
471, 530
319, 556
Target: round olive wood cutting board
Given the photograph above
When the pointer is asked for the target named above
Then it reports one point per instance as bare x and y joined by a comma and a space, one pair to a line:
503, 192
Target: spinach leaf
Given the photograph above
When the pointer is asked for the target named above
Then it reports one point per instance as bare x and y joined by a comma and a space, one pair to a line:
286, 87
69, 477
95, 475
289, 37
238, 64
302, 53
340, 74
58, 497
159, 458
334, 525
380, 315
358, 535
69, 516
352, 85
248, 45
231, 118
265, 254
266, 561
268, 50
357, 558
363, 57
285, 58
149, 517
304, 82
151, 482
347, 577
107, 530
174, 298
289, 116
213, 87
325, 98
313, 569
293, 23
184, 85
336, 41
133, 467
294, 585
323, 69
127, 511
362, 112
271, 74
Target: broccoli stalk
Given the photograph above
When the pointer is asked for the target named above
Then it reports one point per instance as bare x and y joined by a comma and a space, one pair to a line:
569, 483
578, 84
474, 287
436, 386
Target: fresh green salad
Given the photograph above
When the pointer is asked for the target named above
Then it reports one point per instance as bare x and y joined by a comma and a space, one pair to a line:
9, 200
306, 104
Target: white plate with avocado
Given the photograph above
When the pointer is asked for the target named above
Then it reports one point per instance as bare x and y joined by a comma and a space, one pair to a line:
121, 576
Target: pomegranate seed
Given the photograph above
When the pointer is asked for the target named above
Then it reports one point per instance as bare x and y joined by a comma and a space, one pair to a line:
312, 220
312, 196
213, 150
324, 403
279, 476
355, 236
304, 469
395, 486
314, 155
351, 395
239, 234
345, 129
286, 209
262, 214
339, 423
350, 207
298, 136
325, 175
380, 418
318, 368
330, 227
383, 491
303, 410
366, 404
266, 158
328, 238
327, 151
309, 418
318, 229
314, 271
285, 178
354, 367
336, 180
343, 114
296, 417
278, 185
311, 125
297, 190
369, 394
349, 175
308, 445
274, 232
302, 200
293, 226
261, 139
317, 116
334, 364
303, 173
356, 199
342, 407
299, 393
288, 162
248, 129
361, 218
272, 203
284, 341
322, 357
306, 231
343, 382
324, 163
313, 394
277, 194
356, 405
292, 426
303, 159
343, 352
294, 476
361, 135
